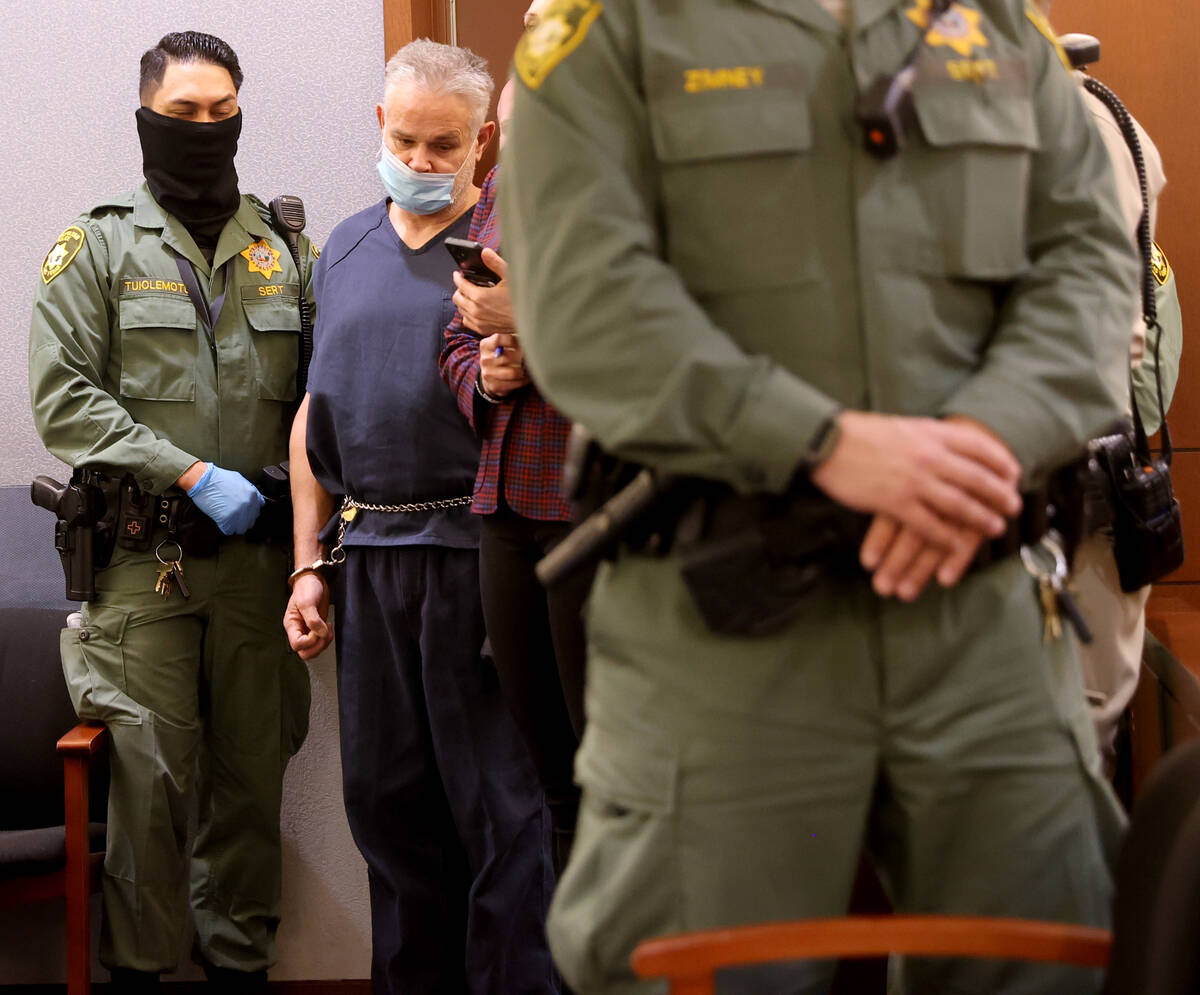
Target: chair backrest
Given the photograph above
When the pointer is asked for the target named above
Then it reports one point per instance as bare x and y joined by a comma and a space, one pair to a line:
1158, 884
690, 960
1154, 952
35, 709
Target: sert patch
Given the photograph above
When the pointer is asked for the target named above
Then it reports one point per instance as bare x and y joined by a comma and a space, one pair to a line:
1159, 265
60, 255
262, 258
561, 30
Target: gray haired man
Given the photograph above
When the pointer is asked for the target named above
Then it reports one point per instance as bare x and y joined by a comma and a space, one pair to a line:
440, 794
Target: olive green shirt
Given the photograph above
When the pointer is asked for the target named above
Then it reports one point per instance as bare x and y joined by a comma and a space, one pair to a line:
707, 264
122, 374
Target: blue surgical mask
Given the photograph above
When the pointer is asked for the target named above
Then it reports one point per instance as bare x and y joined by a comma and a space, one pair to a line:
418, 193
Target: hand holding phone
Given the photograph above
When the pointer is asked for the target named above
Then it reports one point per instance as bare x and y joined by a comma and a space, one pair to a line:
469, 256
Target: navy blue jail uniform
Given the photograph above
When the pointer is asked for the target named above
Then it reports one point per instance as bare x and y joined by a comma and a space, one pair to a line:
440, 794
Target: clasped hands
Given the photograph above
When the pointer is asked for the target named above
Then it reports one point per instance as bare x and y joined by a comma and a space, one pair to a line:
487, 311
938, 488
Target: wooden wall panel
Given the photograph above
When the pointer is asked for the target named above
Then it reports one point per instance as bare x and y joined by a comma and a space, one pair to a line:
404, 20
491, 29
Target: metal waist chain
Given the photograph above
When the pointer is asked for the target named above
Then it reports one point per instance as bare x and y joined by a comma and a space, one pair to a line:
350, 509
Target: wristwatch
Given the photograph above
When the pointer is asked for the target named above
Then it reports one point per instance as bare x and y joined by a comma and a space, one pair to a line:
823, 441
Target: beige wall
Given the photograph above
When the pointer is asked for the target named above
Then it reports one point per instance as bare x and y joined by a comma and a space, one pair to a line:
68, 72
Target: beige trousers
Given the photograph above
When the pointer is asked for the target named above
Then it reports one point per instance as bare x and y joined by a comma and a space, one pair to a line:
1111, 663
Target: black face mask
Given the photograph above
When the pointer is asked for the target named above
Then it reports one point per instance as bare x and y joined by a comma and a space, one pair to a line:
188, 166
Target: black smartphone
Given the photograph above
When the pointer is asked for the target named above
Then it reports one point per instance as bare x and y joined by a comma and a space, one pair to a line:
469, 256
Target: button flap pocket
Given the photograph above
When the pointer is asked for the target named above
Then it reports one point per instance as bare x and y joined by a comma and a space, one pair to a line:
273, 315
994, 118
157, 312
730, 125
633, 774
107, 621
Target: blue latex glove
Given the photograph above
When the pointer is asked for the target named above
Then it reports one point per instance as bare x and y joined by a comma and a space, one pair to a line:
228, 498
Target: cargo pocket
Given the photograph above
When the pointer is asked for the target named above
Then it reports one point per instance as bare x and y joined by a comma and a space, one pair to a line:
275, 340
158, 348
973, 180
621, 884
744, 156
93, 662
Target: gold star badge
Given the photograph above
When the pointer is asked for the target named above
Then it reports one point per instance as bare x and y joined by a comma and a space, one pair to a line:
60, 255
919, 13
957, 28
559, 31
262, 258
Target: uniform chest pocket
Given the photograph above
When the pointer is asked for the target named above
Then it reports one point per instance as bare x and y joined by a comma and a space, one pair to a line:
275, 343
737, 186
974, 181
158, 348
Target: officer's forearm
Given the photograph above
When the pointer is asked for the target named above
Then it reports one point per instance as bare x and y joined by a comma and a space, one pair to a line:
311, 503
83, 425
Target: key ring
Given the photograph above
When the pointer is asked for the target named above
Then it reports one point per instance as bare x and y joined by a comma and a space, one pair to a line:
173, 559
1050, 543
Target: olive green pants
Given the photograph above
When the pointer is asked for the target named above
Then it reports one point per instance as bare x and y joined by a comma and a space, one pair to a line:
736, 780
203, 700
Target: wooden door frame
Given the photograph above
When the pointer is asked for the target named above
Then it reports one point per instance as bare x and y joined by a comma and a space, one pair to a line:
404, 20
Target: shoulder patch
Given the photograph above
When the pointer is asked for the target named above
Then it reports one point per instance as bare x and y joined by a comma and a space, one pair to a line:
1042, 23
316, 253
560, 30
1159, 265
62, 252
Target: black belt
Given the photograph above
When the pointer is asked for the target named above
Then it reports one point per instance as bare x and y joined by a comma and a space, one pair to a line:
144, 520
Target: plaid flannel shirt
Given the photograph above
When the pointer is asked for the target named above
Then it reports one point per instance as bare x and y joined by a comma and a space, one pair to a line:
524, 438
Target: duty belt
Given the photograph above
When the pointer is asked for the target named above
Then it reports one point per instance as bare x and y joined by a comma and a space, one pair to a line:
142, 515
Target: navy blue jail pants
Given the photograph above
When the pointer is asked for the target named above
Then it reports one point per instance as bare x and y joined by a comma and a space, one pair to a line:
440, 793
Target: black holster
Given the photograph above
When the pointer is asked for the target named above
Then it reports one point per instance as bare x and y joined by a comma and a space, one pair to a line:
1146, 522
83, 535
749, 562
274, 524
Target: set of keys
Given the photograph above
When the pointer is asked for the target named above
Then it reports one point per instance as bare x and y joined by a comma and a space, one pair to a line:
1051, 579
170, 571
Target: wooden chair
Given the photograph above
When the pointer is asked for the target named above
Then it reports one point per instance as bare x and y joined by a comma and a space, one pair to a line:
1157, 906
689, 960
48, 863
52, 806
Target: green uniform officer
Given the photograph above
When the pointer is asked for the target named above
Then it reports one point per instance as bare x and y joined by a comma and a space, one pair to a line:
714, 275
201, 695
